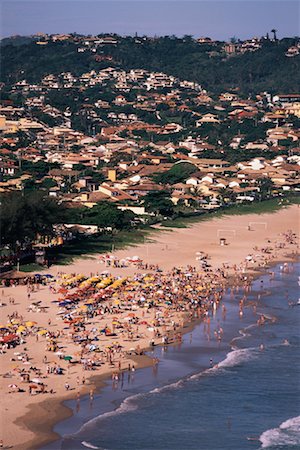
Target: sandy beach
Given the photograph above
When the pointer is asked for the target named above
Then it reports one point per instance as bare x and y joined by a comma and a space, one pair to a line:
251, 242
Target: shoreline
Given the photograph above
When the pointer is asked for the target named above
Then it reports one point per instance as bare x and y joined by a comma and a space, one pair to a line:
101, 381
42, 423
147, 361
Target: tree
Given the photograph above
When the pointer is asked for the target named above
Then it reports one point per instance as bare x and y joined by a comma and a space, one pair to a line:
107, 215
179, 172
24, 217
265, 187
159, 202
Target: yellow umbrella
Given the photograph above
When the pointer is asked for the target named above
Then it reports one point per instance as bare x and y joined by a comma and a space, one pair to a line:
15, 322
91, 301
42, 332
20, 329
30, 324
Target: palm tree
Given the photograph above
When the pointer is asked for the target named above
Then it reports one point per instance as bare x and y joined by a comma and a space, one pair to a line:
274, 34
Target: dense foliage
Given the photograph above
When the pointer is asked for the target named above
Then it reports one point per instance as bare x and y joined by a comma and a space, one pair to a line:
106, 215
159, 202
265, 69
177, 173
25, 216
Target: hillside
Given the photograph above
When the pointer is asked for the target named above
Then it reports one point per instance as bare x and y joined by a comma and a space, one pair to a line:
264, 69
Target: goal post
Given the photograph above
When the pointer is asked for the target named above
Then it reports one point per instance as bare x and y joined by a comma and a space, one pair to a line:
258, 224
226, 232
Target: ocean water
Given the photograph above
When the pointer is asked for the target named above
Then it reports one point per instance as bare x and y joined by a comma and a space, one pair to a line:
238, 394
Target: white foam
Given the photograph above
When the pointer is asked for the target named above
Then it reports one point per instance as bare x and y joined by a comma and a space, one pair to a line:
127, 405
288, 433
212, 370
88, 445
237, 357
176, 385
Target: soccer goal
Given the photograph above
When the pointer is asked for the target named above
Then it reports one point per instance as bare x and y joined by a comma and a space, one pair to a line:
226, 232
258, 225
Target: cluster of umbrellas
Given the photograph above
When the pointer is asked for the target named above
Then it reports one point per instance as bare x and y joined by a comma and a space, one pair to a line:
13, 330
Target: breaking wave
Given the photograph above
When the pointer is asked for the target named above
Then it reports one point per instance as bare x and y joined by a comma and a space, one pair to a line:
288, 433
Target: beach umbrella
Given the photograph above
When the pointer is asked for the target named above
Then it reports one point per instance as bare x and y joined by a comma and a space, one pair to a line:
42, 332
30, 324
63, 290
20, 329
59, 353
8, 338
68, 358
83, 307
37, 381
15, 322
12, 386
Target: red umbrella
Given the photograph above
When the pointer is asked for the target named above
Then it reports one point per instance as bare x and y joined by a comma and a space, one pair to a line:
8, 338
63, 290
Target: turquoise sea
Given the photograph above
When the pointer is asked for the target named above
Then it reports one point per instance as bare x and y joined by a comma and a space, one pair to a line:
240, 393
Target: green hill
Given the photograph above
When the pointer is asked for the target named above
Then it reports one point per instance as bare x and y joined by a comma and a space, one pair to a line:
265, 69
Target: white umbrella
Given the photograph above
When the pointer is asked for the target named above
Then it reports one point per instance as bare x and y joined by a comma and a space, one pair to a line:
135, 258
37, 381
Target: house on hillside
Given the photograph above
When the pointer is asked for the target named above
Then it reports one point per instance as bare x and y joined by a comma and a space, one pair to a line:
207, 118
